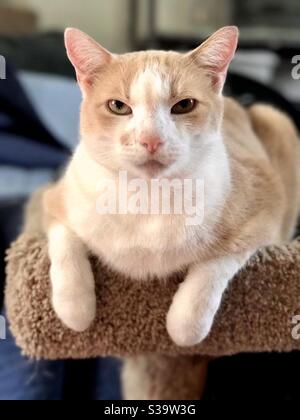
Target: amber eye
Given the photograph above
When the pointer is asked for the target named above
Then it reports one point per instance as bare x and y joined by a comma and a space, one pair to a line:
184, 107
119, 108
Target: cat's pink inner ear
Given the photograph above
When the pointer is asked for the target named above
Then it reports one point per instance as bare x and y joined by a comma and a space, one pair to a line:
86, 55
217, 52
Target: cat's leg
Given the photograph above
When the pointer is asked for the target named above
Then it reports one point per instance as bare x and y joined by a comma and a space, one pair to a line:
73, 286
158, 377
195, 304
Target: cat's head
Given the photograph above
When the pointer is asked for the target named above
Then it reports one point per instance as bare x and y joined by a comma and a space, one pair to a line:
151, 113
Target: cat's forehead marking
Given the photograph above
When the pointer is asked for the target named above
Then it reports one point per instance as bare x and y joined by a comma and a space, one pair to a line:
150, 86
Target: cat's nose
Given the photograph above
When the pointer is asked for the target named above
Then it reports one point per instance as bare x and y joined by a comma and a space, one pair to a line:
151, 143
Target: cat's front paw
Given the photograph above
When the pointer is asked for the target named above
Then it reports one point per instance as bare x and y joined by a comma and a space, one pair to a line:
191, 315
76, 311
186, 328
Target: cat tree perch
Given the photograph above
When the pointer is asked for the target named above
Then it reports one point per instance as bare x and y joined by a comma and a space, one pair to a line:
256, 314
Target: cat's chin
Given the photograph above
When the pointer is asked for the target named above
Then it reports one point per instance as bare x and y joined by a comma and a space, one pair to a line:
155, 170
151, 169
147, 170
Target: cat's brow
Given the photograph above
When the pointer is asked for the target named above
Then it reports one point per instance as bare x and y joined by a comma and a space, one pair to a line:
120, 95
180, 95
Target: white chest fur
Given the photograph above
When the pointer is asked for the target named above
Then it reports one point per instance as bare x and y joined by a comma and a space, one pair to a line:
139, 246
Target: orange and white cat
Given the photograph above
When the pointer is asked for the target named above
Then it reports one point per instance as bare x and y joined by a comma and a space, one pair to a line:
162, 115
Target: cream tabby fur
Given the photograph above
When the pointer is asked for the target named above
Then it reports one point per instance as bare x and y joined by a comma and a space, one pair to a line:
249, 161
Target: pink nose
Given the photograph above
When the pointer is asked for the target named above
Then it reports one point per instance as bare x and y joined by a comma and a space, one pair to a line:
151, 143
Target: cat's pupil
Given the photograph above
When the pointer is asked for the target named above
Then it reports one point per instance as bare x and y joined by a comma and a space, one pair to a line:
119, 105
186, 103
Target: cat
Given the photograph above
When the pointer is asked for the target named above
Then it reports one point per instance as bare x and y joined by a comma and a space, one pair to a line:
163, 115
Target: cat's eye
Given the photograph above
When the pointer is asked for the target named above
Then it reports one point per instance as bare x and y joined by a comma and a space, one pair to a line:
184, 107
118, 107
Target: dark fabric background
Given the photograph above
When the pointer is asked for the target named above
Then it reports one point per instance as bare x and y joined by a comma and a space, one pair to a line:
43, 53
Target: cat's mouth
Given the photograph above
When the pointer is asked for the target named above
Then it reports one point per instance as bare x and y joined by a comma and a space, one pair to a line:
152, 167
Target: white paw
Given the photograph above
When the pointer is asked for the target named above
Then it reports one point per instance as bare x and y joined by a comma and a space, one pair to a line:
186, 331
77, 311
190, 317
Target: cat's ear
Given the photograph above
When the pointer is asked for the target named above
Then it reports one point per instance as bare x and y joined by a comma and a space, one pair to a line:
216, 54
86, 55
